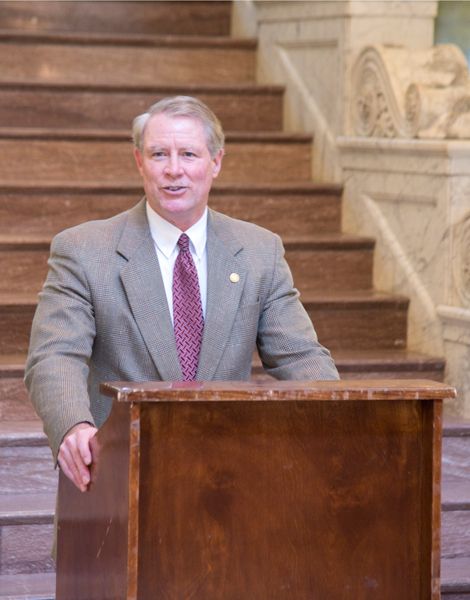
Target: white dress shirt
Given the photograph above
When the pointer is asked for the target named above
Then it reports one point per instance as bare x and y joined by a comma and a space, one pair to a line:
165, 237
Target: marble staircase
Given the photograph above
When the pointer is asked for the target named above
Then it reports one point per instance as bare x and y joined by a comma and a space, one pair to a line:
74, 76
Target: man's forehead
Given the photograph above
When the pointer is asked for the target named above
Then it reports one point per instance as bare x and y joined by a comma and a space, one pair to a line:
181, 128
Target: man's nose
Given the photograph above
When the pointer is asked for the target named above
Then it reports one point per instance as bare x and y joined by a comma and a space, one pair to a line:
173, 166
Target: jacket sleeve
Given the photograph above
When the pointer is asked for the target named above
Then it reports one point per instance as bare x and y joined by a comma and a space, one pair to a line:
287, 342
61, 343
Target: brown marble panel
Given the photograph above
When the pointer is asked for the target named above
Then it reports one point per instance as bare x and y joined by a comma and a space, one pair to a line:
66, 161
100, 109
15, 328
52, 211
23, 270
437, 376
330, 271
14, 401
126, 65
308, 213
360, 329
180, 18
39, 211
26, 549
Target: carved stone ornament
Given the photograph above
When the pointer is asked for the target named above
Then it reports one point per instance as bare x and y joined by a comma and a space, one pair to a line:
409, 92
461, 260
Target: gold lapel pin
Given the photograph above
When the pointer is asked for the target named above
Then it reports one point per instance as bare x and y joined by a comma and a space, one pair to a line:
234, 277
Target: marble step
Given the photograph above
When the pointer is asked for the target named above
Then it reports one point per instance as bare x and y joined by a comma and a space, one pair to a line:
455, 458
26, 463
455, 426
182, 18
107, 156
16, 315
359, 320
36, 586
378, 364
26, 531
353, 321
35, 207
126, 58
455, 526
44, 104
455, 578
332, 262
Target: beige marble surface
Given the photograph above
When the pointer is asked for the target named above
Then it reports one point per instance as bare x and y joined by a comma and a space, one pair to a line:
412, 195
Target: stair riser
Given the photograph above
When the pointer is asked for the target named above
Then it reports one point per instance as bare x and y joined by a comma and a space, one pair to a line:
455, 526
52, 212
456, 458
164, 18
14, 401
27, 470
258, 374
360, 329
68, 161
26, 549
330, 270
355, 375
23, 271
15, 329
26, 270
128, 65
455, 596
100, 110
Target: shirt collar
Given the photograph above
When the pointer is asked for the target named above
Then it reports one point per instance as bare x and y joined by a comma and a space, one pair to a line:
166, 236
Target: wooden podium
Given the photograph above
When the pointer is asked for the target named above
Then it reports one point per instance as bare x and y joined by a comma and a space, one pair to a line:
259, 491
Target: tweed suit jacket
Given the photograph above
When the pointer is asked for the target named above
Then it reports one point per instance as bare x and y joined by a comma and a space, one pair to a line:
103, 316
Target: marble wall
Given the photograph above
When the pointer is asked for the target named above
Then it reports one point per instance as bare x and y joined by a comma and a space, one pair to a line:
412, 195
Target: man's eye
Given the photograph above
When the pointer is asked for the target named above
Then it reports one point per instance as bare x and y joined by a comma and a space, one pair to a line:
189, 154
158, 154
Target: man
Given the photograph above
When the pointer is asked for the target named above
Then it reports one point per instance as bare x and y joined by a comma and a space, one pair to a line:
166, 291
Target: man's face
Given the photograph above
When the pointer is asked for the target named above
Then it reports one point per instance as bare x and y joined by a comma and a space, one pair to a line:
177, 168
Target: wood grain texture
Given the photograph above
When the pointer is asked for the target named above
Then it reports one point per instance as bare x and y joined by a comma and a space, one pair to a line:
280, 500
234, 391
100, 533
277, 490
431, 500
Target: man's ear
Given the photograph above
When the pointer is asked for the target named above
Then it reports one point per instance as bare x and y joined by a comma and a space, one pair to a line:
138, 159
217, 163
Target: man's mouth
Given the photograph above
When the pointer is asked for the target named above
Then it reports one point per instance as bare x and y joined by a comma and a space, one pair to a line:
175, 188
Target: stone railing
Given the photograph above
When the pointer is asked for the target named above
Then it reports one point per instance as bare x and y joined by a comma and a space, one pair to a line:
404, 92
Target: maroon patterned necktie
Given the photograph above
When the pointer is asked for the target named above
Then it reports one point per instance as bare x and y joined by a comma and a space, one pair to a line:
188, 319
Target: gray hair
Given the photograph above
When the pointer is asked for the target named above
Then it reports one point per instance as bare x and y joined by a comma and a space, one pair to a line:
184, 106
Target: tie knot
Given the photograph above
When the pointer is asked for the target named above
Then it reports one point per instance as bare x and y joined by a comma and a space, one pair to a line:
183, 242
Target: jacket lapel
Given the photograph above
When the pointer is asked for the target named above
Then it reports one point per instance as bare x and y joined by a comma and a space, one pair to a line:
223, 295
143, 284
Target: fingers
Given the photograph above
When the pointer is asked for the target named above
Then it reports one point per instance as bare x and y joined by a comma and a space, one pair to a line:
75, 455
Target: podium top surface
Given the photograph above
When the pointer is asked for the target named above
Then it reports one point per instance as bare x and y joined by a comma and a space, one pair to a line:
205, 391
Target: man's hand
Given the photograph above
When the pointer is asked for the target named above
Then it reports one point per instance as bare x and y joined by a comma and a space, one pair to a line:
75, 454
